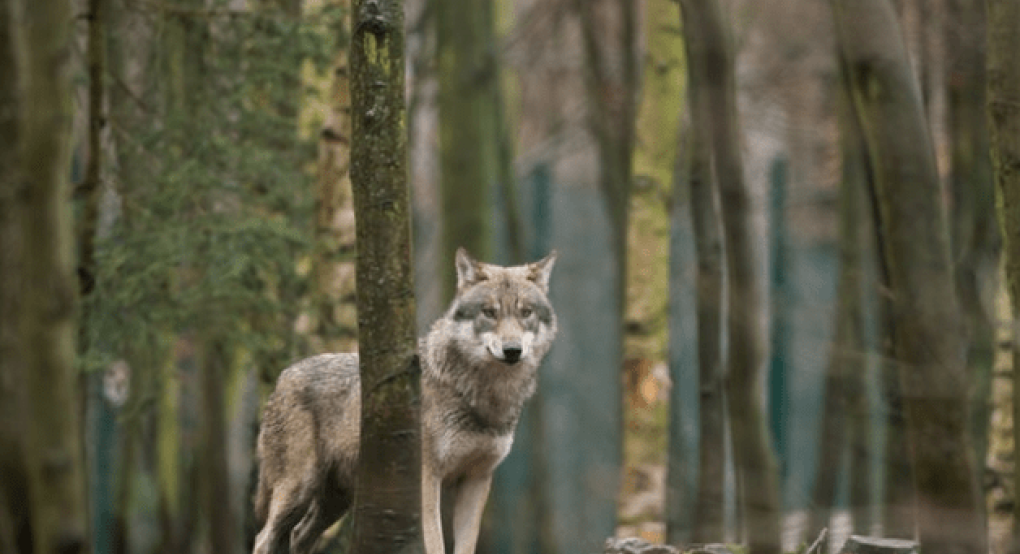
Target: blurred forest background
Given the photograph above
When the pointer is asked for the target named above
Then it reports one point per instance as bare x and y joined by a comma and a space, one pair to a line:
780, 277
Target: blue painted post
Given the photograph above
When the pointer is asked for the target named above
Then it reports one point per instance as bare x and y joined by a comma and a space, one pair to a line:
781, 298
101, 427
581, 382
518, 505
684, 419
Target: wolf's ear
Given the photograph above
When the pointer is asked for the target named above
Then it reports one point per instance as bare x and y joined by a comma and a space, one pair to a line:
469, 271
540, 271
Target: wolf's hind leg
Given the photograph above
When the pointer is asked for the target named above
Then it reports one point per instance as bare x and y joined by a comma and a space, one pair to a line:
286, 508
323, 512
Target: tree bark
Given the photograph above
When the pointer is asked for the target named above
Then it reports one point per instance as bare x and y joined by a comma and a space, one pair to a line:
334, 251
468, 146
1004, 126
974, 236
91, 186
216, 498
387, 503
608, 34
53, 452
899, 502
708, 245
855, 227
928, 340
753, 455
15, 527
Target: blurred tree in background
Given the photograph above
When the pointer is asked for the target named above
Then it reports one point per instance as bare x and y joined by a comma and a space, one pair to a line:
928, 342
44, 509
1004, 124
15, 524
845, 413
468, 76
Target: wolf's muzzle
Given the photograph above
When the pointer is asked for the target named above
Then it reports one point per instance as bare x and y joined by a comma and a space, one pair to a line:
512, 352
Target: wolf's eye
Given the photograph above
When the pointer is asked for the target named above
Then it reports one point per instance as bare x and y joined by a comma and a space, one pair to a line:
489, 313
526, 312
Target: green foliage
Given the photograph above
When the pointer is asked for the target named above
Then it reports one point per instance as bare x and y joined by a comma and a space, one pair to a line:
214, 207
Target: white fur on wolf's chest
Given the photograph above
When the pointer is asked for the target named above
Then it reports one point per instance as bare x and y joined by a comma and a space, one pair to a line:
462, 452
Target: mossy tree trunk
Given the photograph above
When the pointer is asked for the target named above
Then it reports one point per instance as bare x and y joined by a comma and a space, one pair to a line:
333, 298
468, 144
15, 526
387, 503
1004, 126
708, 245
754, 459
53, 455
929, 343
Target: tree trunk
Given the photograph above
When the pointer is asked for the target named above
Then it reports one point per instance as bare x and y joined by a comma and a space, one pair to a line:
608, 34
218, 509
899, 502
844, 416
899, 497
387, 503
704, 206
754, 459
15, 527
48, 328
1004, 126
855, 229
334, 252
974, 236
506, 179
468, 76
928, 341
91, 186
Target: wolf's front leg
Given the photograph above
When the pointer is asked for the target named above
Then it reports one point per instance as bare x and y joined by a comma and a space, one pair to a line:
431, 515
467, 512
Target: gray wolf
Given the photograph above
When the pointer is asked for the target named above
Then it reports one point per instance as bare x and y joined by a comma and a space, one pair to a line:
479, 366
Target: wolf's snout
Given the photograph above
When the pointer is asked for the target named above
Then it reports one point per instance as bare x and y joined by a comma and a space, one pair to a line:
512, 352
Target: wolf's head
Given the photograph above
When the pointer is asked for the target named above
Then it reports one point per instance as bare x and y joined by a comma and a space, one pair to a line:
503, 314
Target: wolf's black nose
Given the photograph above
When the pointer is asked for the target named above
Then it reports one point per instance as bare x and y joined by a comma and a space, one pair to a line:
511, 352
